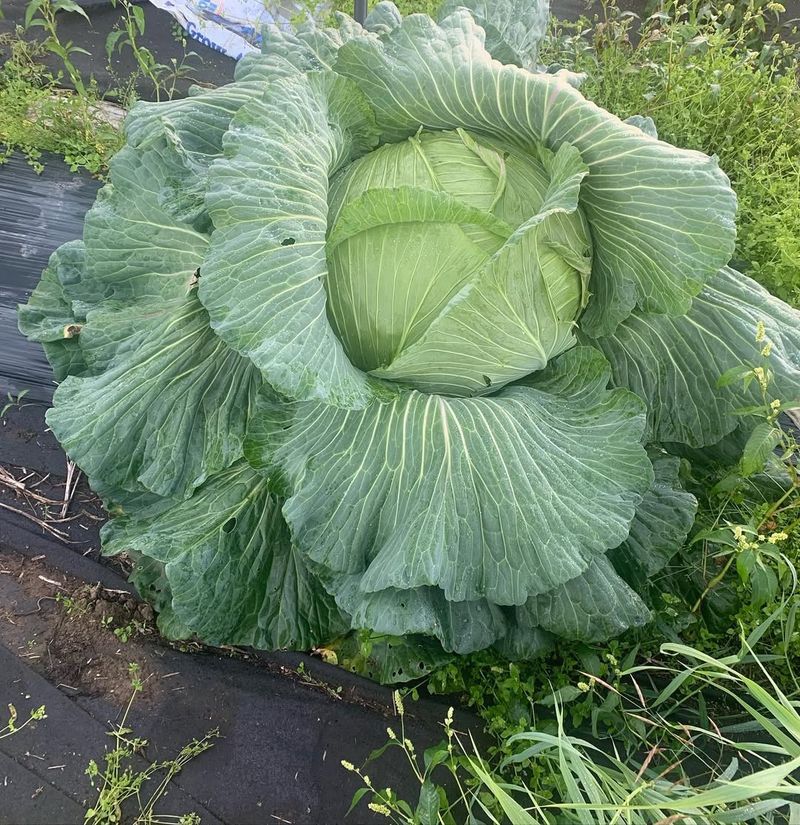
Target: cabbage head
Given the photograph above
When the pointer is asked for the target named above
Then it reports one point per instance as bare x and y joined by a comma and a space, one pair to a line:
399, 333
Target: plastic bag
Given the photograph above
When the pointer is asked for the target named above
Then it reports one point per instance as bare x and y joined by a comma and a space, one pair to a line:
234, 27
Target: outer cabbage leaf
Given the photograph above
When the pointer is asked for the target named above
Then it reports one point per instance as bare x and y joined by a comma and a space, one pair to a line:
661, 218
146, 234
662, 523
150, 581
460, 627
514, 28
145, 241
231, 574
383, 18
167, 406
596, 605
139, 244
310, 47
262, 279
643, 122
599, 603
675, 362
523, 642
199, 122
390, 659
49, 317
495, 498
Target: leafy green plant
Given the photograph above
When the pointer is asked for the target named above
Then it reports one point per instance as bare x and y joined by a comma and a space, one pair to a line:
129, 33
42, 14
120, 779
13, 725
12, 401
411, 345
37, 116
405, 7
751, 780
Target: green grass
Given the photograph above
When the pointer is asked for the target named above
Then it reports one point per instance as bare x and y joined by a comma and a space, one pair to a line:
405, 6
37, 116
692, 765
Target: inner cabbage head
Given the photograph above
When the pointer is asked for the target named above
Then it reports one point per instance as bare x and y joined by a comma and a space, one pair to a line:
413, 226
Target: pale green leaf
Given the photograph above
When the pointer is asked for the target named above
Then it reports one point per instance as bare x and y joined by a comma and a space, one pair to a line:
675, 362
496, 497
233, 575
515, 315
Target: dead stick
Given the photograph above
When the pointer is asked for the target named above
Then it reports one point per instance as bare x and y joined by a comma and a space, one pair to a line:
57, 533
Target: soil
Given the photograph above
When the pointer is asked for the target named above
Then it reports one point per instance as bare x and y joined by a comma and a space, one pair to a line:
80, 637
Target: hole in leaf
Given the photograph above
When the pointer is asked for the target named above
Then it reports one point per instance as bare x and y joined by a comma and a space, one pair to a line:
229, 525
287, 242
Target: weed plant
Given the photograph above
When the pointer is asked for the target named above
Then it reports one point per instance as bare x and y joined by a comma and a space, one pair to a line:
120, 779
689, 768
14, 726
429, 7
37, 115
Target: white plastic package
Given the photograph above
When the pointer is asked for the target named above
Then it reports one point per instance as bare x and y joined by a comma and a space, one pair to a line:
234, 27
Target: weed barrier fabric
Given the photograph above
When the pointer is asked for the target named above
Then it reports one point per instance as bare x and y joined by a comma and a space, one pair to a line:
39, 213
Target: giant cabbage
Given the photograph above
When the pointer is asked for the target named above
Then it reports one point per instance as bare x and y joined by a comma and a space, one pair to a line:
391, 334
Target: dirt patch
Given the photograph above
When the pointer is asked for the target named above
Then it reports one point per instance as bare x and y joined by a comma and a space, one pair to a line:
82, 638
